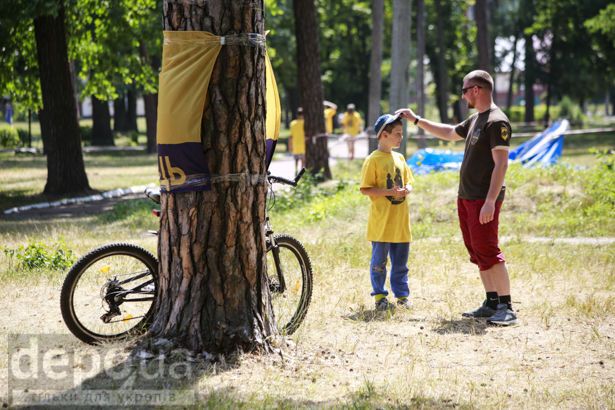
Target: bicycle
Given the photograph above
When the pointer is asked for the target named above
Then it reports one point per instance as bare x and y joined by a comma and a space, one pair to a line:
126, 278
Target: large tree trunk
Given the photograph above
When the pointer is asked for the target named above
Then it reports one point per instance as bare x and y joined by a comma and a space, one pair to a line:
101, 123
150, 101
310, 88
213, 288
442, 73
511, 78
420, 67
482, 35
400, 59
375, 72
65, 167
120, 118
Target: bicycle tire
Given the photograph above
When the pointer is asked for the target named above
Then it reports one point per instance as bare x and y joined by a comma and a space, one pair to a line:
134, 254
298, 252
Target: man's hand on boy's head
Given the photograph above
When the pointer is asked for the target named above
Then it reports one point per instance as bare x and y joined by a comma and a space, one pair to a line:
406, 113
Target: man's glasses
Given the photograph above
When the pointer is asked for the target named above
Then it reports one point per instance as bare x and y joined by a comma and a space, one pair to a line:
465, 90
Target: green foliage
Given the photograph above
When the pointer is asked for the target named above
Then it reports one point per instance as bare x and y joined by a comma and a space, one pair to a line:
38, 256
9, 136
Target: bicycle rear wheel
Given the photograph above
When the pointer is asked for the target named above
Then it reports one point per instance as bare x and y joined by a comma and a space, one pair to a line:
109, 293
289, 272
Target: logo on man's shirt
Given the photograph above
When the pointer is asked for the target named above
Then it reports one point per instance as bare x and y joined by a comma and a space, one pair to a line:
504, 133
396, 182
475, 135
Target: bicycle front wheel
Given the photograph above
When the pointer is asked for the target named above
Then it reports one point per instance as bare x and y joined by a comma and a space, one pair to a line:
109, 293
289, 272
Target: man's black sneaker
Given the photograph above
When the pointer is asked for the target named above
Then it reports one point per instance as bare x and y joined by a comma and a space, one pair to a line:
503, 316
481, 312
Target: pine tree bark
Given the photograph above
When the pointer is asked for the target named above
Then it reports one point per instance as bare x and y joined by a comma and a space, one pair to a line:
65, 166
101, 123
375, 71
213, 289
310, 88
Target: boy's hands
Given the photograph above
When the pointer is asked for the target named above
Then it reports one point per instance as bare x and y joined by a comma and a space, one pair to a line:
401, 192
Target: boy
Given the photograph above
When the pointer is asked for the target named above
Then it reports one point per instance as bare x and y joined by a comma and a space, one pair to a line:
386, 179
296, 142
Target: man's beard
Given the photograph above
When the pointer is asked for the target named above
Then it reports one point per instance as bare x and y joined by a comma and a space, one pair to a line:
470, 105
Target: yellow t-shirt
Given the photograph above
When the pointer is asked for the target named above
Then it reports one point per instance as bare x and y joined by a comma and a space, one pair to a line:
352, 123
389, 219
329, 114
297, 135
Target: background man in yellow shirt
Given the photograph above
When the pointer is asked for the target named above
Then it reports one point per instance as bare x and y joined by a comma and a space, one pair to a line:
352, 124
330, 111
296, 142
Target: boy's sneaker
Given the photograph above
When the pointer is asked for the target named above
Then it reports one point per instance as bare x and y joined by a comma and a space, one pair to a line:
404, 303
503, 316
482, 311
383, 305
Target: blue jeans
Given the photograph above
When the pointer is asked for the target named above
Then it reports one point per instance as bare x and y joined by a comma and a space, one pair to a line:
399, 268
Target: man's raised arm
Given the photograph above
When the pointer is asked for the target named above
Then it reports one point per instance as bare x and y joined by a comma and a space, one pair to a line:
442, 131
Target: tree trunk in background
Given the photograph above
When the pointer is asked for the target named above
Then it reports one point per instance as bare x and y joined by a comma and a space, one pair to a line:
375, 71
120, 118
511, 79
213, 287
481, 16
101, 123
44, 131
400, 59
420, 67
310, 87
65, 167
150, 102
529, 77
131, 112
442, 72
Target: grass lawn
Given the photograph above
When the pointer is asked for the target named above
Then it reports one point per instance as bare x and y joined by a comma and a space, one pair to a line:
562, 355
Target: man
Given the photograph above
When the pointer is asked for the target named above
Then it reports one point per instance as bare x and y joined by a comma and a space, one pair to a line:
481, 189
352, 124
296, 142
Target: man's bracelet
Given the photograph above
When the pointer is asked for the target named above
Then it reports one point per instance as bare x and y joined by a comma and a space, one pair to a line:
416, 119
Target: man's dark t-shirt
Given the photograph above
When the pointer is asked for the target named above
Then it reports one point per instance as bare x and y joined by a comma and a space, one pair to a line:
482, 132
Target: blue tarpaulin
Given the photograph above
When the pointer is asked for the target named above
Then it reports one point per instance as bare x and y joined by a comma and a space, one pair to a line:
542, 150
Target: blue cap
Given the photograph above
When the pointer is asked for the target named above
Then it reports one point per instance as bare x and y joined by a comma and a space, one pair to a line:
383, 121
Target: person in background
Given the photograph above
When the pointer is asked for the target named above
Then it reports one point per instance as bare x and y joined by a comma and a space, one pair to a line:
8, 113
330, 111
481, 189
352, 124
296, 142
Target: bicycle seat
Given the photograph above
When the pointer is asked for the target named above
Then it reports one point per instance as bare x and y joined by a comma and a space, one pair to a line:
153, 194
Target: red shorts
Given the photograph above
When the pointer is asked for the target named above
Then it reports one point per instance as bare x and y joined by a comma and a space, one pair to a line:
480, 240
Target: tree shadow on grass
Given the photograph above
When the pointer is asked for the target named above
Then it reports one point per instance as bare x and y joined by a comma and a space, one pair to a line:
473, 327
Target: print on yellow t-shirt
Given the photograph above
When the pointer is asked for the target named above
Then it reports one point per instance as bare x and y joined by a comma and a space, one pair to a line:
389, 219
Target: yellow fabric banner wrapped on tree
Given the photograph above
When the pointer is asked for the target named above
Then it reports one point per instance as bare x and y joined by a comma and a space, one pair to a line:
188, 60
